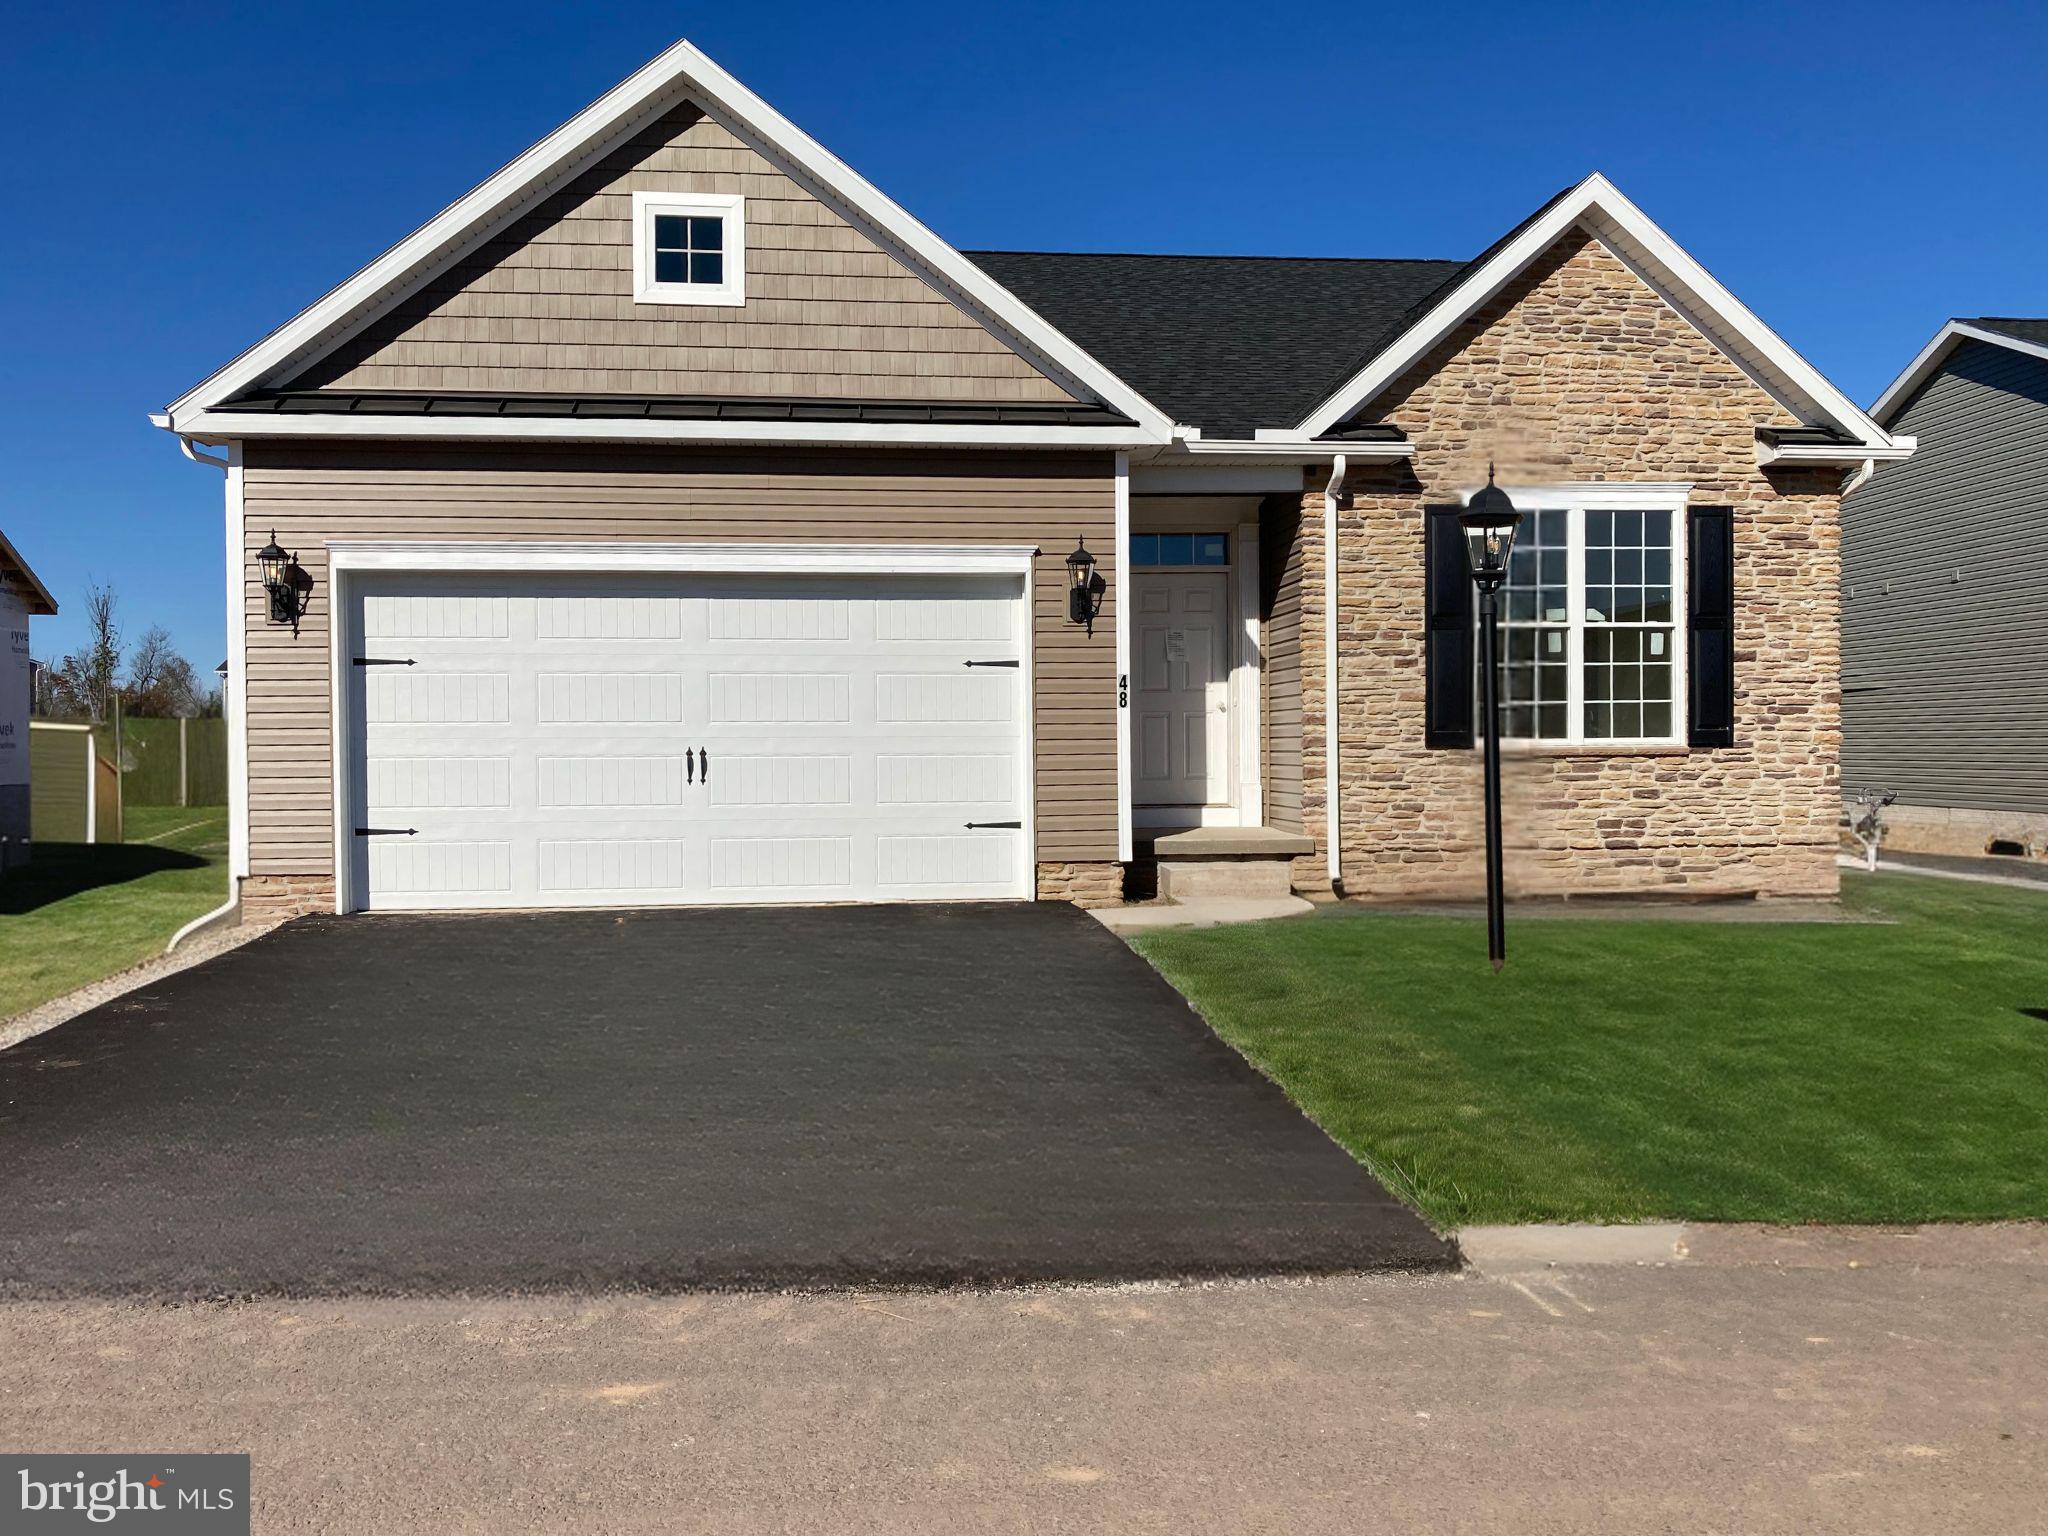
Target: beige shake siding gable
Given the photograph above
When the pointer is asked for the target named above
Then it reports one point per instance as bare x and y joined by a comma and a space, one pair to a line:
547, 306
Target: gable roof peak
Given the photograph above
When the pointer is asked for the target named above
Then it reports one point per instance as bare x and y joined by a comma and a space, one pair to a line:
1596, 205
680, 73
2016, 333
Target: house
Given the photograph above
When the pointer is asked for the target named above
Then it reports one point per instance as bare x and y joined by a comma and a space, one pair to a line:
22, 597
1945, 649
675, 518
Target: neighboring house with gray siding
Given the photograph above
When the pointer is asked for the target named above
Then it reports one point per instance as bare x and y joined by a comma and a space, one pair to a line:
1944, 624
675, 518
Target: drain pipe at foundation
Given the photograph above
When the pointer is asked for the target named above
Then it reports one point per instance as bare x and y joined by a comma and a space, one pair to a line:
1335, 854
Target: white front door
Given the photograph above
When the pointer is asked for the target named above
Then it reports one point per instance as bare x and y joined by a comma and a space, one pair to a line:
530, 741
1180, 708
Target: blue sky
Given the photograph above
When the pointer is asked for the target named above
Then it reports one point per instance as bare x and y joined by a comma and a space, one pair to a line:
183, 178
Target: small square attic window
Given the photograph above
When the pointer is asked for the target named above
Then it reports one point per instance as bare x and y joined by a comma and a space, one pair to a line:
689, 248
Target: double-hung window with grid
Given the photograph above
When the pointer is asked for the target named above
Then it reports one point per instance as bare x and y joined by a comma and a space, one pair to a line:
1592, 631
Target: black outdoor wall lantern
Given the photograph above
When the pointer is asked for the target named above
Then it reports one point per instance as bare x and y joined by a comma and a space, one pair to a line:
1086, 586
1489, 521
290, 588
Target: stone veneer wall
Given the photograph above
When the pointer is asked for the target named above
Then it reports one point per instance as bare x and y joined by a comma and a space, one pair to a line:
1578, 372
268, 896
1085, 885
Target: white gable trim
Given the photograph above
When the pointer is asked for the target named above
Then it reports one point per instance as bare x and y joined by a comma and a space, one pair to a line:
680, 73
1936, 352
1598, 206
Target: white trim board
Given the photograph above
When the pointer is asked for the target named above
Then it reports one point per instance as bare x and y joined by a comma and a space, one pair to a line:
707, 558
1936, 352
1121, 715
1599, 207
680, 73
236, 426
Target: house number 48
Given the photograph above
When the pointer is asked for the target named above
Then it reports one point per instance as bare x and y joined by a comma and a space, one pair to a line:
1123, 691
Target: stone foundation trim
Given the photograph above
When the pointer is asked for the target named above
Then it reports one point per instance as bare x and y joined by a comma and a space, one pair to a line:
267, 898
1085, 885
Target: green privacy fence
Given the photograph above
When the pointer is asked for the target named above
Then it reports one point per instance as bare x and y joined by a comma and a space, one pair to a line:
171, 762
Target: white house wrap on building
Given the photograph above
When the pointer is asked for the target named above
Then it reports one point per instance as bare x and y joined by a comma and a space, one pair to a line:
22, 596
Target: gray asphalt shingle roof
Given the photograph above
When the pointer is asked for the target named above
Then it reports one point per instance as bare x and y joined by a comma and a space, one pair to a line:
2034, 332
1225, 343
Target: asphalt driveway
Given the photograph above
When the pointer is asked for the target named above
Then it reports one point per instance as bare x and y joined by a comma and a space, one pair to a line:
664, 1100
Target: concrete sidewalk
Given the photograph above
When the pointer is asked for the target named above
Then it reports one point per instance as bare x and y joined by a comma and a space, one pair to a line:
1875, 1386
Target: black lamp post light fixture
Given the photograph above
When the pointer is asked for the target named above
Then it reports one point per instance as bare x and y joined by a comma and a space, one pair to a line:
290, 588
1085, 587
1490, 521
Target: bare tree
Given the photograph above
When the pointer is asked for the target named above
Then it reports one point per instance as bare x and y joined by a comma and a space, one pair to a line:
83, 683
151, 656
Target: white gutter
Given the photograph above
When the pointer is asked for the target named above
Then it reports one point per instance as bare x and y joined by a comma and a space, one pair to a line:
228, 426
1822, 454
1335, 853
185, 447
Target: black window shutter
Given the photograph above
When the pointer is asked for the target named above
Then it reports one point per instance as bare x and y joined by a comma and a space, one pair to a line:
1710, 624
1447, 655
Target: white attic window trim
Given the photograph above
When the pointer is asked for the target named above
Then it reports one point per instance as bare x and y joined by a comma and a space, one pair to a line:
689, 248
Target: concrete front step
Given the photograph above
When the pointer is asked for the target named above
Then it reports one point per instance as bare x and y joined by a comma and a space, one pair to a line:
1238, 863
1239, 879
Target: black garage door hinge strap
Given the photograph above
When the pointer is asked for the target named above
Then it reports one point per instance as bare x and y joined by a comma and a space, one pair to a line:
387, 831
384, 661
1015, 826
994, 663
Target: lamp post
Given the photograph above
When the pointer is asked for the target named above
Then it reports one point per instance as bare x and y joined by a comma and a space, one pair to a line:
1490, 521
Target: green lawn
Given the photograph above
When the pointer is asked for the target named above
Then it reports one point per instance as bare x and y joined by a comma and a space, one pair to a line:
1622, 1070
81, 912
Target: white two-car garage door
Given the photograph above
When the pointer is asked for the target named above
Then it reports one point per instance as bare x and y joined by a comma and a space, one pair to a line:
538, 741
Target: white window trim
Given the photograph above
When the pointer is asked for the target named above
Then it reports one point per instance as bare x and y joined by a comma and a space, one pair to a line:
731, 207
1576, 501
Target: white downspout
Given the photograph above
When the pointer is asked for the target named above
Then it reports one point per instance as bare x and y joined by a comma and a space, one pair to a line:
230, 705
1860, 477
1331, 841
185, 446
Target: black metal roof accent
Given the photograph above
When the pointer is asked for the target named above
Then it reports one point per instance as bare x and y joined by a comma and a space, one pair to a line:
1225, 343
1785, 437
672, 408
1365, 432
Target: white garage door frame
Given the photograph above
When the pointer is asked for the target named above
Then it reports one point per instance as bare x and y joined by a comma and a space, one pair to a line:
347, 560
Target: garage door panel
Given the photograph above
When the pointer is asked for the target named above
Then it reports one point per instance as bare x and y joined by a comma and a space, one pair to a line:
439, 782
430, 696
413, 871
566, 741
613, 696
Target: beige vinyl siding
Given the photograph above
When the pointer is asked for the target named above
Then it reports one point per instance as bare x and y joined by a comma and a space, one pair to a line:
1280, 676
547, 306
313, 494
